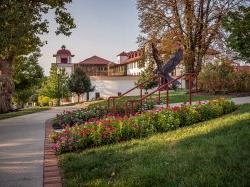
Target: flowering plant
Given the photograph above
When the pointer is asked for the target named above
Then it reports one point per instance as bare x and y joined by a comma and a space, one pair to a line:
112, 129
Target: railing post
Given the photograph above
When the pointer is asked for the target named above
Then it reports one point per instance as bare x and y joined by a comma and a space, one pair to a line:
114, 110
132, 106
141, 98
159, 91
167, 97
190, 88
196, 83
126, 109
108, 104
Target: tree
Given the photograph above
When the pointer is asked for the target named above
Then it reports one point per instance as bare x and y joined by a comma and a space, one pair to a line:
22, 23
55, 86
197, 24
237, 23
28, 76
146, 75
79, 83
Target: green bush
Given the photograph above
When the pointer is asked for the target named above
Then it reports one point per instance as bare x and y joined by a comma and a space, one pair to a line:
116, 129
222, 77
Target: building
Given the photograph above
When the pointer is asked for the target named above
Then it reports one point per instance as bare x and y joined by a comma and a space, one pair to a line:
94, 66
64, 60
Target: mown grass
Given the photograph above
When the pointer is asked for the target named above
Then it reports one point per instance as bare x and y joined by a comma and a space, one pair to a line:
22, 112
174, 97
212, 153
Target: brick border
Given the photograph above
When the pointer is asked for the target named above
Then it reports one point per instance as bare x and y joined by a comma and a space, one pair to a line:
51, 171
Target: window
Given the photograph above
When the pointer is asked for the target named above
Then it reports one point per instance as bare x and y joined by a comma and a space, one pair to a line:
64, 60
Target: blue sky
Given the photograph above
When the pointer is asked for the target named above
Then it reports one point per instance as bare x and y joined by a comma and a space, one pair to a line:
104, 28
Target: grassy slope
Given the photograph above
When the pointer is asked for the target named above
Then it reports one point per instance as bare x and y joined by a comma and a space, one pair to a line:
22, 112
214, 153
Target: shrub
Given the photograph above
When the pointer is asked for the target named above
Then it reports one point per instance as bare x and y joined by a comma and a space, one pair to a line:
114, 129
221, 77
43, 100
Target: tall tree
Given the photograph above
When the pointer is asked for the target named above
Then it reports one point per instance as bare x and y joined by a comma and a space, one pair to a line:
22, 22
79, 83
237, 23
197, 24
28, 76
55, 86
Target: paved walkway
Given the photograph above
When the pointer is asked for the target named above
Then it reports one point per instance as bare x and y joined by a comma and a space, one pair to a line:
237, 100
21, 149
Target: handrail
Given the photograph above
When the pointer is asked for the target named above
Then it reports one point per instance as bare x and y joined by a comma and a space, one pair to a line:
164, 86
137, 86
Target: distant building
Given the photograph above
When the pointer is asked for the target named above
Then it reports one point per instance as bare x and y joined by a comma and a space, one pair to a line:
64, 60
94, 66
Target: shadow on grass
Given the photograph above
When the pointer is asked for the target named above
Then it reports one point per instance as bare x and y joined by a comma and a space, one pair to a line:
214, 153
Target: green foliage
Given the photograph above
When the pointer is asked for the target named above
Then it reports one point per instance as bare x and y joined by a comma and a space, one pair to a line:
22, 23
79, 83
221, 77
55, 86
146, 75
237, 23
114, 129
43, 100
28, 76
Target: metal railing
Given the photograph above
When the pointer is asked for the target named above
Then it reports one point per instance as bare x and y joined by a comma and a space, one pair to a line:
165, 86
191, 77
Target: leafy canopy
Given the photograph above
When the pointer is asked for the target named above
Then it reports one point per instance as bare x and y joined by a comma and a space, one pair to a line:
28, 76
22, 22
237, 23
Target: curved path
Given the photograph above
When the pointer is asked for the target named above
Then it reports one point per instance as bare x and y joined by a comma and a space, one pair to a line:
22, 149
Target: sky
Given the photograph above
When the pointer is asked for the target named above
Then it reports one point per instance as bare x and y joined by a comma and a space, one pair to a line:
104, 28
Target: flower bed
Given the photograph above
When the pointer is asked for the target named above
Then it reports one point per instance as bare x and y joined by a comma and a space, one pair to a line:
92, 113
116, 129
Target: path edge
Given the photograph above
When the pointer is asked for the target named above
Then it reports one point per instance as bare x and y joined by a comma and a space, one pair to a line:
51, 171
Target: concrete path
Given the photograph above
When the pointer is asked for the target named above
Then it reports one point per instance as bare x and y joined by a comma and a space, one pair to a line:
237, 100
21, 149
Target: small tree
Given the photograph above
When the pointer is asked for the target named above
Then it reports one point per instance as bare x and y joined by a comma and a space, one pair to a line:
147, 74
79, 83
54, 87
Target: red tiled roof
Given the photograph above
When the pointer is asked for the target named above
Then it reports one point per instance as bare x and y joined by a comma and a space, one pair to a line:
123, 54
95, 60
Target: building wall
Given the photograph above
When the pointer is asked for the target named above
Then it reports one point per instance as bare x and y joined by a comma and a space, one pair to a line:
133, 69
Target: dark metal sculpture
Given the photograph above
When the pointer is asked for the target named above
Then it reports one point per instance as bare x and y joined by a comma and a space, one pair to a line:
166, 67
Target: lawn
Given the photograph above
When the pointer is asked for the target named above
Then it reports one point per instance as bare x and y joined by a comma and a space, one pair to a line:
174, 97
22, 112
212, 153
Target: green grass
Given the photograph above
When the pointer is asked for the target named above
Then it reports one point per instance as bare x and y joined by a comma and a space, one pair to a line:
22, 112
212, 153
174, 97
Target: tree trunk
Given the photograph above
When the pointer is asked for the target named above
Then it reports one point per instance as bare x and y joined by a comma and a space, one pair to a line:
6, 86
87, 96
78, 99
189, 61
